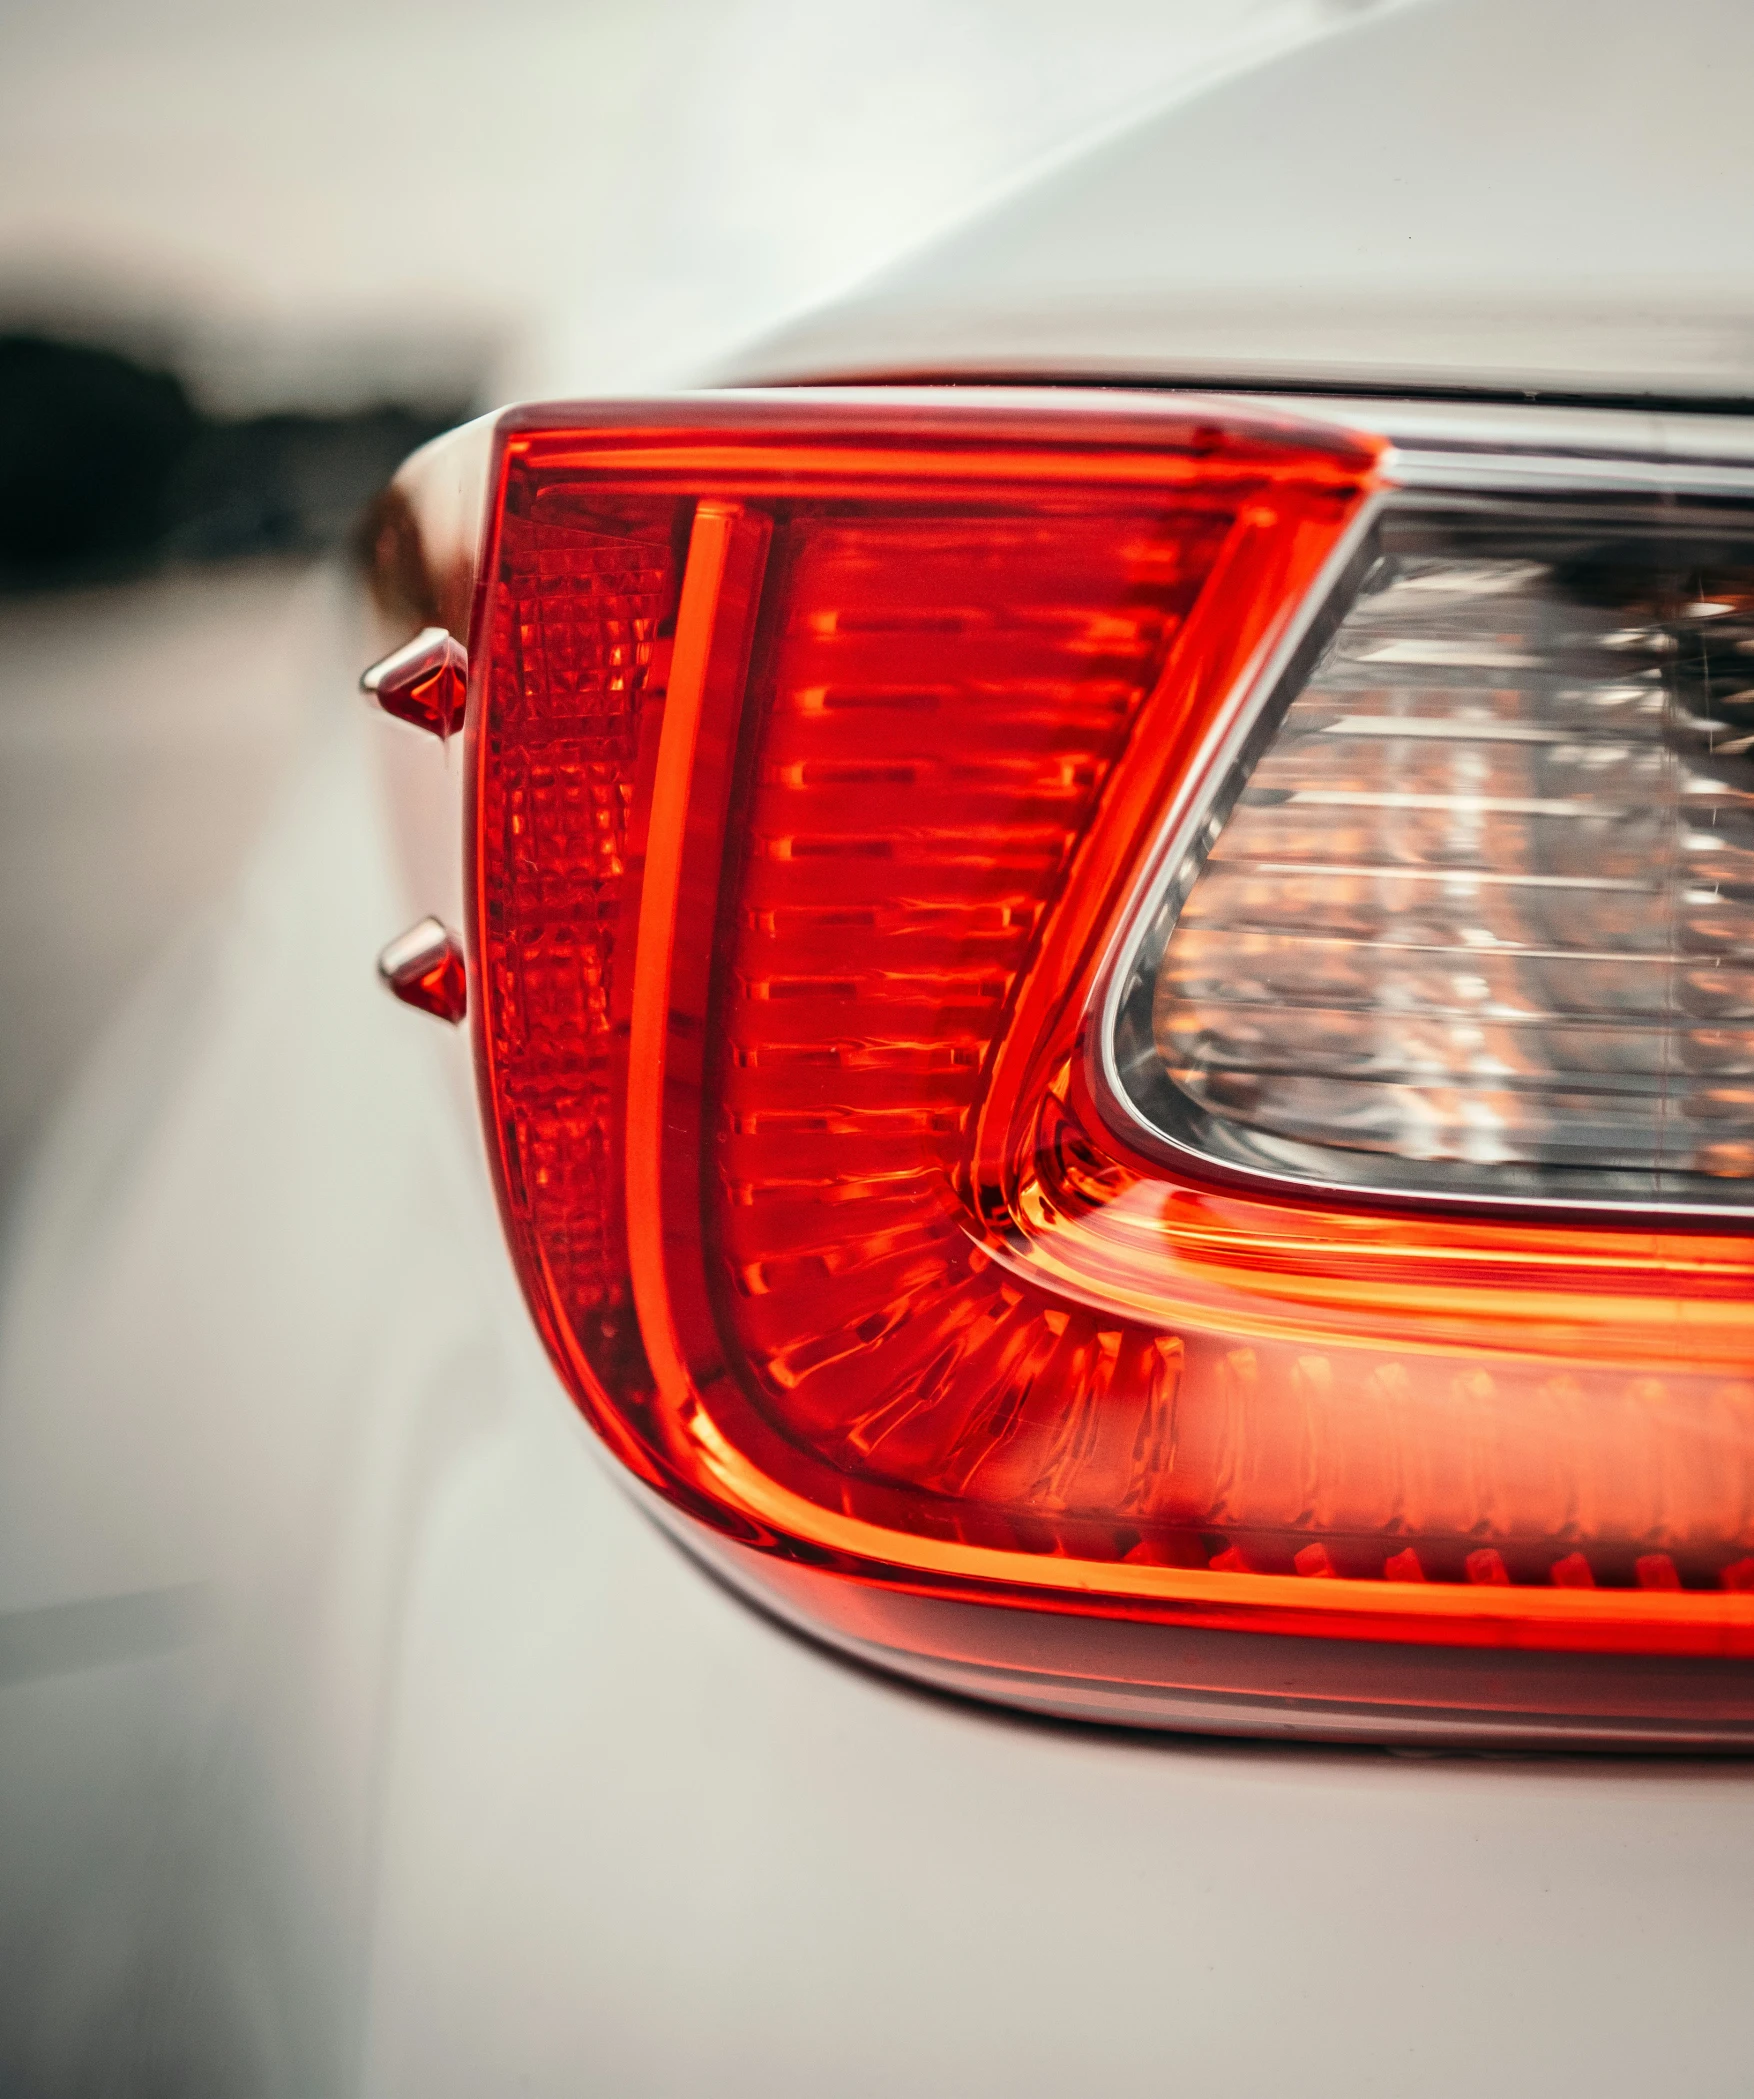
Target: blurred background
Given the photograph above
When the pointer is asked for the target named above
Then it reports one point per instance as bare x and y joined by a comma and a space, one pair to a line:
251, 254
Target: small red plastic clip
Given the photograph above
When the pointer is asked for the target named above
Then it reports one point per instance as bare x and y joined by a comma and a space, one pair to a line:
424, 968
425, 682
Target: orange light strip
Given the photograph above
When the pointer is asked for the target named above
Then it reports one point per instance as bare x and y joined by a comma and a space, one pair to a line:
709, 549
1524, 1618
1100, 460
707, 655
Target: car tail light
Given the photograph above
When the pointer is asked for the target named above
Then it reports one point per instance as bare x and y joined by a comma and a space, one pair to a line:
1121, 1060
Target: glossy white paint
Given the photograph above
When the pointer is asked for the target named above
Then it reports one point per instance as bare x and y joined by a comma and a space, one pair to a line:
1508, 194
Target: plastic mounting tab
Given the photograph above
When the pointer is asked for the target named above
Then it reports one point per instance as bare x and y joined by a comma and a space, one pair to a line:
425, 682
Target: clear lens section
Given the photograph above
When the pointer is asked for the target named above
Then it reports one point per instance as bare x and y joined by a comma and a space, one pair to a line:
1474, 913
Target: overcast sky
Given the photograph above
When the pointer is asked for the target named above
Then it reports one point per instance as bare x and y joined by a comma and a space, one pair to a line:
326, 199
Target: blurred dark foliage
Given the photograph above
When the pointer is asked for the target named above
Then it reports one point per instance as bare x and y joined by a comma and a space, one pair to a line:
107, 469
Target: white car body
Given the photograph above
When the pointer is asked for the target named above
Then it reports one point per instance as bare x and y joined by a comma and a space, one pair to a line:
359, 1734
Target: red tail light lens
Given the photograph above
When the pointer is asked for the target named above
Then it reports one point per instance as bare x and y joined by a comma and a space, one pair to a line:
818, 759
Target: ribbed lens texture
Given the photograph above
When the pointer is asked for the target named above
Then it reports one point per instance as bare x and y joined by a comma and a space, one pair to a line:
1484, 910
933, 717
581, 603
940, 707
1477, 910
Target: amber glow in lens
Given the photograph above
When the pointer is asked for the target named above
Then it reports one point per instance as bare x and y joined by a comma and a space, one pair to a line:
814, 774
943, 705
904, 839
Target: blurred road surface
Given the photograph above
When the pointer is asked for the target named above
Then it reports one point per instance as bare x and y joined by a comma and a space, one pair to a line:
143, 729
